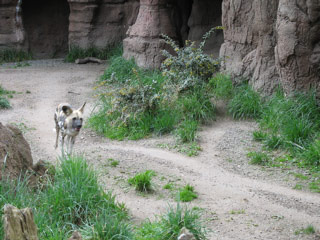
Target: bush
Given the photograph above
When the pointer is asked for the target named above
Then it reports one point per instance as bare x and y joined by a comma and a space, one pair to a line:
246, 103
189, 67
142, 181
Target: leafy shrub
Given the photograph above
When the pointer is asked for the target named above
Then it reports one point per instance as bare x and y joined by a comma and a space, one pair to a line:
187, 194
169, 225
258, 158
189, 66
246, 103
142, 181
14, 55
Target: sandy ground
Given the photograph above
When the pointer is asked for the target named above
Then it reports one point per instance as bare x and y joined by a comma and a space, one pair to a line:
240, 201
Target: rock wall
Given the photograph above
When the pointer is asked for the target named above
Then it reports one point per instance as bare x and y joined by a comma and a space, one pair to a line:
272, 42
100, 22
48, 28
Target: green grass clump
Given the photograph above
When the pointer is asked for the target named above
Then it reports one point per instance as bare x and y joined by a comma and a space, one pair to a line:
187, 131
246, 103
142, 181
14, 55
222, 86
105, 53
72, 200
259, 158
187, 194
169, 225
4, 103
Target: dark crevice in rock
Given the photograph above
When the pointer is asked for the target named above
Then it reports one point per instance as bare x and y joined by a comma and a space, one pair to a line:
46, 24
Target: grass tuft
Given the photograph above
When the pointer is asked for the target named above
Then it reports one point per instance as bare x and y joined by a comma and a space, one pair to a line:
259, 158
142, 181
187, 194
246, 103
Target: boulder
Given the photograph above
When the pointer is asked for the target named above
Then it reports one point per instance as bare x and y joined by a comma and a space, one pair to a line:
15, 153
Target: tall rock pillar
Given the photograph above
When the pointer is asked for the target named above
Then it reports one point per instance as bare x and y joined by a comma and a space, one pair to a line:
144, 41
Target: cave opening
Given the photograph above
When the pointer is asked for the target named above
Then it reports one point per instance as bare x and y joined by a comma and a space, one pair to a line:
193, 18
46, 25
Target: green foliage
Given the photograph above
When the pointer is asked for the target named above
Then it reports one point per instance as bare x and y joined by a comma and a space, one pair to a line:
187, 131
246, 103
4, 103
4, 94
72, 200
107, 52
259, 135
169, 225
14, 55
311, 156
189, 67
187, 194
259, 158
142, 181
222, 86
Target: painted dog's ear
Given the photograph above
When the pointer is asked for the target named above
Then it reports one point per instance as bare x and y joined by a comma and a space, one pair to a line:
82, 107
67, 110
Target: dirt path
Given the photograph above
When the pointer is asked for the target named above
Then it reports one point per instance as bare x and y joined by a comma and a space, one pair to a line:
240, 201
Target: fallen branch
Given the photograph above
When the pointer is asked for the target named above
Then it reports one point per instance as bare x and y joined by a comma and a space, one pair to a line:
87, 60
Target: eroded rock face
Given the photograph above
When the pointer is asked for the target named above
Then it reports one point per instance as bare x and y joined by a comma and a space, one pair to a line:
15, 153
297, 52
143, 42
99, 23
272, 42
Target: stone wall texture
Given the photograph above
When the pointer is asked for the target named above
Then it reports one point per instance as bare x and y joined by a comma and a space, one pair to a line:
272, 42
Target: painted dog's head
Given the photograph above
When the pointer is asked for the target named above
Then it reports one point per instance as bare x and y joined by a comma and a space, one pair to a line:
74, 118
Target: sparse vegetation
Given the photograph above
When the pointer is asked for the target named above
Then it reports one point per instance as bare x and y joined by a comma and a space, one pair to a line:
4, 95
308, 230
187, 194
259, 158
105, 53
142, 181
14, 55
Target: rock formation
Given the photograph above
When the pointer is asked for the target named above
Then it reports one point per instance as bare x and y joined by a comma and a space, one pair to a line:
19, 224
15, 153
267, 42
272, 42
